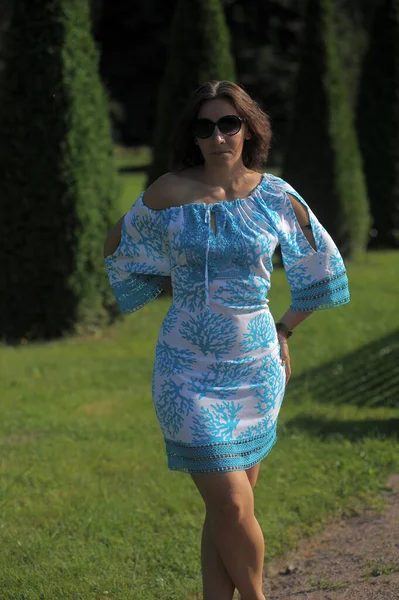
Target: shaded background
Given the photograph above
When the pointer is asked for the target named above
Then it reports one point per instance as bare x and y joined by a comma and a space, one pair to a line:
265, 39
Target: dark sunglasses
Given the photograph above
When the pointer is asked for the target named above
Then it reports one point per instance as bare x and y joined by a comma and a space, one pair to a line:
228, 125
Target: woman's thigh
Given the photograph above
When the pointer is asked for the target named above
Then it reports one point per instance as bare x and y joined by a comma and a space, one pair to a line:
252, 474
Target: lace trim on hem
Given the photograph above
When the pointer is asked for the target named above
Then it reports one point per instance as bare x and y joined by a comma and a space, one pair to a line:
197, 458
220, 449
181, 465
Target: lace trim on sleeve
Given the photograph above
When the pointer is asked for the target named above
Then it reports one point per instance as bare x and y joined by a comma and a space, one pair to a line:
327, 293
137, 290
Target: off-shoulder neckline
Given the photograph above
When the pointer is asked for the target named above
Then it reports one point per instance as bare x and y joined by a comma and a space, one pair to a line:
205, 204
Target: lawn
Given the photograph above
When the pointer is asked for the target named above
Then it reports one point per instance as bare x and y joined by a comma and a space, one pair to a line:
89, 509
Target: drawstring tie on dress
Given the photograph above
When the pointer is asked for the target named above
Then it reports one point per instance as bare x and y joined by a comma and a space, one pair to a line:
207, 220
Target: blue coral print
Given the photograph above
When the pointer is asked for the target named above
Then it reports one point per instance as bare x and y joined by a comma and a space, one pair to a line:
336, 263
149, 234
252, 292
210, 333
299, 277
268, 385
260, 427
188, 289
260, 333
223, 379
173, 360
218, 383
173, 406
216, 422
170, 320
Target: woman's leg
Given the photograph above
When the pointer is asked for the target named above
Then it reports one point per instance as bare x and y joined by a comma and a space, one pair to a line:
234, 530
216, 582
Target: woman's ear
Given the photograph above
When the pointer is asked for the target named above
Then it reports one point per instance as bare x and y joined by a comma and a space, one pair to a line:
248, 135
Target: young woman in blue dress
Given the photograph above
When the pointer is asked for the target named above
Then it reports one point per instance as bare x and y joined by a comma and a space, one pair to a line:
221, 142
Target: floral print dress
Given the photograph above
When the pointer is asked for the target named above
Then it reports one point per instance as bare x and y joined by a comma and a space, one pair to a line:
218, 382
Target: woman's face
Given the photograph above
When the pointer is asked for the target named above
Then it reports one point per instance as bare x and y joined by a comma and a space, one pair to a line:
220, 149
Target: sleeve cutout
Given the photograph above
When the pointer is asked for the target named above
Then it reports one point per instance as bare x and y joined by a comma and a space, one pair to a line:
316, 275
306, 220
139, 267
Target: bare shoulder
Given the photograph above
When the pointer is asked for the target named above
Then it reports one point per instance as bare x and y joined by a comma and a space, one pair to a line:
300, 210
166, 191
301, 213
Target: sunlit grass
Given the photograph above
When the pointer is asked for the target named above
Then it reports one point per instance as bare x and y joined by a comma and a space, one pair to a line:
88, 507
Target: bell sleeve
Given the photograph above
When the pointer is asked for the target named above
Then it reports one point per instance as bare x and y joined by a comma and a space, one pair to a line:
140, 266
317, 278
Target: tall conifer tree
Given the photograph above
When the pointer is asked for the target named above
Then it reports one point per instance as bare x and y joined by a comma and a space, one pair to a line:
322, 158
57, 177
378, 121
199, 50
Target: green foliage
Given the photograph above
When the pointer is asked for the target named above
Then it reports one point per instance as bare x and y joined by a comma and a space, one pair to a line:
322, 159
352, 33
378, 121
88, 504
58, 179
134, 47
199, 51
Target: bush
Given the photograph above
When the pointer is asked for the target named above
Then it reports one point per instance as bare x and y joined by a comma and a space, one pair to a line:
322, 159
378, 122
58, 179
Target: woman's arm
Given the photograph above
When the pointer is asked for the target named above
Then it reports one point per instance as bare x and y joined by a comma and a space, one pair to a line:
112, 242
293, 319
290, 318
113, 239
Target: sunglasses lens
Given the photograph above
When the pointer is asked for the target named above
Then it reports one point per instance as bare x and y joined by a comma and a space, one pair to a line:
203, 128
229, 125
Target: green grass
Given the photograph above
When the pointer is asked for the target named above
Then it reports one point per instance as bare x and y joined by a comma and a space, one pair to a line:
88, 505
379, 569
325, 584
136, 158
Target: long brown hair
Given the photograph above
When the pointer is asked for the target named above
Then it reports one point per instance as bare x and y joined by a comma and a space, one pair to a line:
185, 153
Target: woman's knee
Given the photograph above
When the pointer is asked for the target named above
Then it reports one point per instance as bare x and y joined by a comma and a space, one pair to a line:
232, 509
227, 496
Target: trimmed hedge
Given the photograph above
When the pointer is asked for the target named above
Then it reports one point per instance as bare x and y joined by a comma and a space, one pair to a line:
199, 51
378, 122
322, 159
58, 181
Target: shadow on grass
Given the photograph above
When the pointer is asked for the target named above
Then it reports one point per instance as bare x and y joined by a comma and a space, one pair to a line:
368, 377
353, 430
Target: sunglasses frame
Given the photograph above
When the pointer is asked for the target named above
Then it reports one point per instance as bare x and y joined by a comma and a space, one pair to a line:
240, 119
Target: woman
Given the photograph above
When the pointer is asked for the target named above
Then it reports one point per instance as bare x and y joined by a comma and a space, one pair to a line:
212, 224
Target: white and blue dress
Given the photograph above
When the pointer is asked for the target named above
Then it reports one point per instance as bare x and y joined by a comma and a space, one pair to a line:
218, 382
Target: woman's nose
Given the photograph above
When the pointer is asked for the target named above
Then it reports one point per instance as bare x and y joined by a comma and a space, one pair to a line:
217, 134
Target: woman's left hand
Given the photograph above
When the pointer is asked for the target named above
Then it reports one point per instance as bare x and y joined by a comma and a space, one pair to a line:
285, 356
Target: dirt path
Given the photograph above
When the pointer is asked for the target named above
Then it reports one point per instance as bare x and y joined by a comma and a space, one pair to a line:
354, 559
